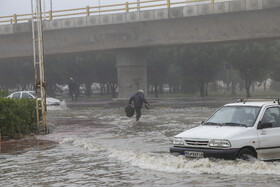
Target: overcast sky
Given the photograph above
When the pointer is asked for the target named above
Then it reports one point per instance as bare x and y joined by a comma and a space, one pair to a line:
10, 7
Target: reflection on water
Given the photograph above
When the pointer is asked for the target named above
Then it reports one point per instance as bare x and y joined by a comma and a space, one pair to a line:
18, 146
102, 147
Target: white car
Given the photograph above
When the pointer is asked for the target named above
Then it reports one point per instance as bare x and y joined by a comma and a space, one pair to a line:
31, 95
238, 130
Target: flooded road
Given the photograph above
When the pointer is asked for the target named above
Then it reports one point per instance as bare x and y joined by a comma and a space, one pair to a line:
100, 146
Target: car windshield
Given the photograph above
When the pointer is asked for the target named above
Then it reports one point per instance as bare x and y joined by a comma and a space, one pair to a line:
33, 93
234, 116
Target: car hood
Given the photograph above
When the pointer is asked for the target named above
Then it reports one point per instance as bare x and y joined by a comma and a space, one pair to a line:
211, 132
51, 100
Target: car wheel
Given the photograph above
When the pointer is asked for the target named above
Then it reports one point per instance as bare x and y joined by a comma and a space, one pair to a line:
246, 154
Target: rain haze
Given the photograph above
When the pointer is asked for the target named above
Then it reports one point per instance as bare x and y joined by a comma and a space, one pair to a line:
172, 94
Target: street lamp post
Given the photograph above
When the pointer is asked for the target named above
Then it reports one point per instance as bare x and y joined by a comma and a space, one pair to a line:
51, 5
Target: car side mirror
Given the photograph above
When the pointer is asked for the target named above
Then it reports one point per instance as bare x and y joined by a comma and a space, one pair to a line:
264, 125
202, 122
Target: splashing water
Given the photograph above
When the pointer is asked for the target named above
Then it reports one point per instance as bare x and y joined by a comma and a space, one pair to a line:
180, 164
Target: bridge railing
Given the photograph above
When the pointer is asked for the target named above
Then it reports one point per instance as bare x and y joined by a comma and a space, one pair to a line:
95, 10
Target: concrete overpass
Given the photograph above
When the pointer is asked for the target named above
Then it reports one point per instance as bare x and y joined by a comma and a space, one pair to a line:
129, 35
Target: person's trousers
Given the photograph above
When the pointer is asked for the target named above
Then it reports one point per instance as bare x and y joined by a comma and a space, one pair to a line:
138, 112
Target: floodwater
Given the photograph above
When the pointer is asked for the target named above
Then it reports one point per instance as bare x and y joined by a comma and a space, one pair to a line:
100, 146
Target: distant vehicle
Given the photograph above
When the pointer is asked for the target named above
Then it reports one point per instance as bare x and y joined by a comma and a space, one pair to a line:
31, 95
237, 130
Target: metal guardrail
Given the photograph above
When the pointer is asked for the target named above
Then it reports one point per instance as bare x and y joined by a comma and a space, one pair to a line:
95, 10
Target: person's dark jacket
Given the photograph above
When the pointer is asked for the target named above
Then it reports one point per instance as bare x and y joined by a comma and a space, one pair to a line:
72, 87
138, 99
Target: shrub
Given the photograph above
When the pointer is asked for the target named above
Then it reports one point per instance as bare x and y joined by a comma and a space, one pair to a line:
17, 117
4, 93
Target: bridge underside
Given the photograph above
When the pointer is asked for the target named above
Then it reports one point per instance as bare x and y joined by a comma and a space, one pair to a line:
128, 40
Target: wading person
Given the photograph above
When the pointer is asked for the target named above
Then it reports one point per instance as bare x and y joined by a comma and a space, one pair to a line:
138, 99
72, 89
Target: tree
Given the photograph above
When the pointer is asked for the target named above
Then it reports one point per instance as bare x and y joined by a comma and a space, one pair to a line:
201, 65
275, 58
86, 64
158, 63
17, 73
106, 72
55, 73
252, 61
174, 79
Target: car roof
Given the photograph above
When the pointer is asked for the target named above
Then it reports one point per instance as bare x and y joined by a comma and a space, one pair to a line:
254, 103
22, 91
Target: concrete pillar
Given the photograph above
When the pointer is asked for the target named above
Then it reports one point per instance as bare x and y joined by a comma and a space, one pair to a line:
132, 71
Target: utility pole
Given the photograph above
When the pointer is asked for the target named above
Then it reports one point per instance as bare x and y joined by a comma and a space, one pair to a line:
39, 67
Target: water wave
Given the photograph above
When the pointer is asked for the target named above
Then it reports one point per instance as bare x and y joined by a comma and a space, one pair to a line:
84, 144
62, 106
164, 162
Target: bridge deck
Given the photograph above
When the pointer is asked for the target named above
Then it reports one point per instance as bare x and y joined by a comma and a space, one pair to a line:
147, 15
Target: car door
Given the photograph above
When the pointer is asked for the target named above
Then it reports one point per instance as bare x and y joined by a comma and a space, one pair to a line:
269, 142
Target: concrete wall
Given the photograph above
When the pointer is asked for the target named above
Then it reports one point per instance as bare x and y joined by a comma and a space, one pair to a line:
132, 71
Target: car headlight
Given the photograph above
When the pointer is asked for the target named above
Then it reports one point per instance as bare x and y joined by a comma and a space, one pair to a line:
220, 143
178, 141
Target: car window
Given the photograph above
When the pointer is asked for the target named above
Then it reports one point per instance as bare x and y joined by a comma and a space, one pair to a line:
38, 93
16, 96
271, 115
26, 95
235, 116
